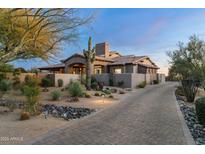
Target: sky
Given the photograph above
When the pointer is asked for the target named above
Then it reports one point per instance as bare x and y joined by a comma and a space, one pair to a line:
151, 32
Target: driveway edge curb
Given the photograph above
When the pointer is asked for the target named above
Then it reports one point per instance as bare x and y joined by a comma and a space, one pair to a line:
187, 133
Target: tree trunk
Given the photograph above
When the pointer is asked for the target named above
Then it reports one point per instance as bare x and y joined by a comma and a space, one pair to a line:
88, 75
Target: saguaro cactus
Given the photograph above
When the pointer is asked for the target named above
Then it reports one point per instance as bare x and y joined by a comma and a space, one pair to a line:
90, 58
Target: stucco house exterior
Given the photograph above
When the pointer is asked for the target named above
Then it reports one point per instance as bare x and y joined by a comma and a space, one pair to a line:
109, 65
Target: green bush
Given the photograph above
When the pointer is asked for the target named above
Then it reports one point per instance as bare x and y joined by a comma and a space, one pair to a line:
93, 79
94, 85
155, 81
2, 76
200, 110
31, 90
60, 82
5, 85
107, 91
142, 85
75, 89
55, 95
46, 82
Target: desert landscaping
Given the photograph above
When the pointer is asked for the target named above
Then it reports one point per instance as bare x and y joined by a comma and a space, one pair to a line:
35, 126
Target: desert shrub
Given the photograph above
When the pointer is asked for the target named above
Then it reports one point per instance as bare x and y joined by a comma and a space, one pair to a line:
94, 85
55, 95
25, 116
190, 88
87, 95
200, 110
120, 83
110, 96
97, 94
155, 81
106, 91
31, 90
46, 82
5, 85
75, 89
60, 83
93, 79
142, 85
121, 92
111, 83
2, 76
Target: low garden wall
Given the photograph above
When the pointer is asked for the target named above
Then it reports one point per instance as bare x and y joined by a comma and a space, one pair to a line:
130, 80
126, 78
105, 77
137, 79
66, 78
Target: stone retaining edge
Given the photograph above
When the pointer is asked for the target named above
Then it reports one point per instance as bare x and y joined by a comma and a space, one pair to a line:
187, 133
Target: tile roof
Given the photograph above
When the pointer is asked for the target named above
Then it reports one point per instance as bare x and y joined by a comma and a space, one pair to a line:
60, 65
96, 57
129, 59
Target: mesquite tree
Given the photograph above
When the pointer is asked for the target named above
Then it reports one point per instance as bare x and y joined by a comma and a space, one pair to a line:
188, 62
37, 33
90, 58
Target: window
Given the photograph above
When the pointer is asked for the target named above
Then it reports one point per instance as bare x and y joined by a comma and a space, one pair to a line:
117, 70
98, 71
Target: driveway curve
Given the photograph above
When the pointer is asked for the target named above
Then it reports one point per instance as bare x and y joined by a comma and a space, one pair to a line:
147, 116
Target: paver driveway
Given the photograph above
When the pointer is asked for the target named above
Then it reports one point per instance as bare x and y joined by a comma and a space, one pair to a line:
147, 116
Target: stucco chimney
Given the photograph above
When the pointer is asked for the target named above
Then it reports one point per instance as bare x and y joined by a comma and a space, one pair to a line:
102, 49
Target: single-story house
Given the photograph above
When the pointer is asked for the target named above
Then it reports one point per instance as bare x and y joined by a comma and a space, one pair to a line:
107, 65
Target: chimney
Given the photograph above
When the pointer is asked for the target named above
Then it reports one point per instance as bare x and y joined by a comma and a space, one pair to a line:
102, 49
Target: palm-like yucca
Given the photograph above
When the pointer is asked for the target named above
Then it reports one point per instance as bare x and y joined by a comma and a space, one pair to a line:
90, 58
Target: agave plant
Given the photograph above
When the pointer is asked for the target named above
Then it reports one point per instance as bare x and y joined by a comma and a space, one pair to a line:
90, 58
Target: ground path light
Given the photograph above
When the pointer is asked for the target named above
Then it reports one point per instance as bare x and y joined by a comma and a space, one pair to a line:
103, 96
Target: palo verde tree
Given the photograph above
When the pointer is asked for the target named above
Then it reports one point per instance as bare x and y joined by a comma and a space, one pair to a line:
37, 33
90, 58
188, 62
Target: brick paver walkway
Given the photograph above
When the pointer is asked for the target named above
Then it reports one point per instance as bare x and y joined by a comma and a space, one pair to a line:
148, 116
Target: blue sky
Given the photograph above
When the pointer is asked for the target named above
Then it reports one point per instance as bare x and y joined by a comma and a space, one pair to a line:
150, 32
